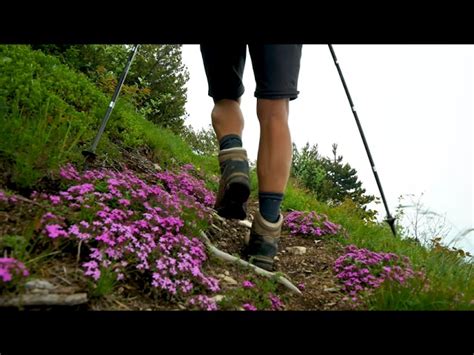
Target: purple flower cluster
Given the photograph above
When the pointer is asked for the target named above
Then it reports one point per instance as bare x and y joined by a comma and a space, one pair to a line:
10, 267
277, 304
363, 270
203, 302
188, 187
249, 307
310, 224
130, 225
247, 284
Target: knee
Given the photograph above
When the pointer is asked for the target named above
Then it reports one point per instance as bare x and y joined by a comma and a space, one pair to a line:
272, 111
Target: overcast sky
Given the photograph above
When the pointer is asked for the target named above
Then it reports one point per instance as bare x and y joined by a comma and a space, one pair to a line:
415, 104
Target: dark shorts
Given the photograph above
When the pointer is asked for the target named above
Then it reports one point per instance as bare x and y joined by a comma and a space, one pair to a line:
276, 68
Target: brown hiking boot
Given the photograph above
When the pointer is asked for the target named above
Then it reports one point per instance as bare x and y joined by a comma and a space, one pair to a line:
234, 185
262, 242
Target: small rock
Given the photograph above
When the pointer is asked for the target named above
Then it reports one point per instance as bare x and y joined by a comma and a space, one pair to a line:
157, 167
276, 258
32, 299
39, 284
330, 304
226, 273
229, 280
297, 250
317, 241
218, 298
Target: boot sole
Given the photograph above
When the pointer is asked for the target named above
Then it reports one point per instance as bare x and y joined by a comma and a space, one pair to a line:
233, 201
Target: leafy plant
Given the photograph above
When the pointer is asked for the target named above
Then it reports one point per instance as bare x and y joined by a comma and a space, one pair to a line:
253, 294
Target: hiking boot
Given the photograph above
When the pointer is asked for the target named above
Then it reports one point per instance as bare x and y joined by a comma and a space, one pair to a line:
234, 185
262, 242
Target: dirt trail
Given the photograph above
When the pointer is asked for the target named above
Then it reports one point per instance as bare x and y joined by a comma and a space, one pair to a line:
313, 268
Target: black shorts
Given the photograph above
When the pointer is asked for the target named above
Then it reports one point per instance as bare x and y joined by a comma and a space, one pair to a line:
276, 68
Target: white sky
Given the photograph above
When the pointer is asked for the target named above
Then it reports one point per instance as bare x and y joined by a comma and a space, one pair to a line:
415, 105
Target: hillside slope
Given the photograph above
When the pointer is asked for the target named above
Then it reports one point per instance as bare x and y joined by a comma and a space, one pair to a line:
125, 234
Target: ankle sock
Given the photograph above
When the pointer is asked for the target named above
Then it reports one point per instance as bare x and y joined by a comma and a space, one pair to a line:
230, 141
269, 205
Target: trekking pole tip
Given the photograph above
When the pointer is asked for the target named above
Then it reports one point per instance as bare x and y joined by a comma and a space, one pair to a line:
391, 222
90, 157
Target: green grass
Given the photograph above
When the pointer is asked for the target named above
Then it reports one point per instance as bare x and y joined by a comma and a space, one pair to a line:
50, 113
105, 284
171, 150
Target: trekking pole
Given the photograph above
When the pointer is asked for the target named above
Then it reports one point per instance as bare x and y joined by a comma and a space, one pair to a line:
90, 154
390, 220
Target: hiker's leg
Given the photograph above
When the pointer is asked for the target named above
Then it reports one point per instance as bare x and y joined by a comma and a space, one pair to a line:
234, 184
227, 118
276, 69
224, 65
273, 168
274, 150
